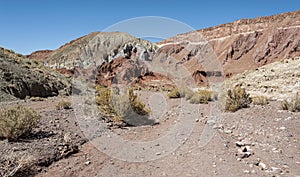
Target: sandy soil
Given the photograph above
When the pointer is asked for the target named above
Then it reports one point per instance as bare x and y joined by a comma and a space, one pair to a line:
257, 141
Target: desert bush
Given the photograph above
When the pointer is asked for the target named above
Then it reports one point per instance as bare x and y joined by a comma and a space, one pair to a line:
174, 93
116, 106
260, 100
189, 94
63, 105
292, 105
14, 163
181, 93
237, 98
17, 121
202, 97
137, 106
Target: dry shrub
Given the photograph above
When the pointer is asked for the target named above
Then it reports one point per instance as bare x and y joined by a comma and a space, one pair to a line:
260, 100
17, 121
292, 105
16, 164
175, 93
202, 97
237, 98
115, 105
181, 93
63, 105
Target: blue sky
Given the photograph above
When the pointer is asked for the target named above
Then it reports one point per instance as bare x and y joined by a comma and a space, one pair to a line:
29, 25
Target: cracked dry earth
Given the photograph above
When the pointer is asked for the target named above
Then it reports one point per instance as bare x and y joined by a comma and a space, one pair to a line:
256, 141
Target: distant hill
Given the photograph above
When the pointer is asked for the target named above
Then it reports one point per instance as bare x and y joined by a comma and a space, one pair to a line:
229, 49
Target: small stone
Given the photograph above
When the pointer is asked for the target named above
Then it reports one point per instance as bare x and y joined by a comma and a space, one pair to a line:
274, 169
227, 131
246, 171
285, 166
288, 118
211, 122
262, 166
282, 128
240, 143
87, 163
158, 153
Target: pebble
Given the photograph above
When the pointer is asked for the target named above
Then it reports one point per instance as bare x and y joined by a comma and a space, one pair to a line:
288, 118
87, 162
227, 131
282, 128
262, 166
211, 122
246, 171
240, 143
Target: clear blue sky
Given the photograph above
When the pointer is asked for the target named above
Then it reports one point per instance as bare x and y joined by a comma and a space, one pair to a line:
29, 25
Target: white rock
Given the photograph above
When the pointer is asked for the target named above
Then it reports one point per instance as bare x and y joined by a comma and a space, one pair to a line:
282, 128
246, 171
240, 143
262, 166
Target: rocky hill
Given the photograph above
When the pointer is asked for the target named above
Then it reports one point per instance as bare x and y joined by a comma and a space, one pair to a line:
205, 54
21, 77
243, 44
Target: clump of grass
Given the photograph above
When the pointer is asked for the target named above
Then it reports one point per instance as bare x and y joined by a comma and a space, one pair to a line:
175, 93
180, 93
137, 106
14, 163
292, 105
63, 105
17, 121
189, 94
260, 100
115, 105
202, 97
237, 98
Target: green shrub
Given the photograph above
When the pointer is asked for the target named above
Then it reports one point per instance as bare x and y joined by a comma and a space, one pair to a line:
116, 106
63, 105
293, 105
260, 100
237, 98
17, 121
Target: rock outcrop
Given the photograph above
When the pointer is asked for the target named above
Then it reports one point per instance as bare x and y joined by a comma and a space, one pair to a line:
244, 44
21, 77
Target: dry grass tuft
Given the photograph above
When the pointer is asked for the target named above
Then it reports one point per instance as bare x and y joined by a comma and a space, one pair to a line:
293, 105
115, 105
237, 98
16, 164
202, 97
260, 100
63, 105
17, 121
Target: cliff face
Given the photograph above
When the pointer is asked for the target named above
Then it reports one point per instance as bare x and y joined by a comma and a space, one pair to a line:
244, 44
206, 54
